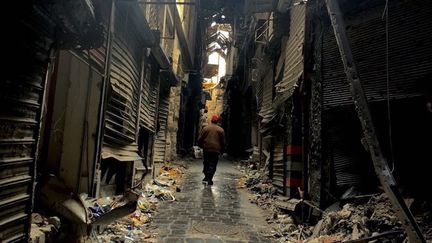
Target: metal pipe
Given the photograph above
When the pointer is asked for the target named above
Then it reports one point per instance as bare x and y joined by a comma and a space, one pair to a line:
142, 80
103, 98
153, 166
84, 134
362, 107
37, 134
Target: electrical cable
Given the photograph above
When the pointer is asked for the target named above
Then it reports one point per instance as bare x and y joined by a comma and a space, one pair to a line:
389, 119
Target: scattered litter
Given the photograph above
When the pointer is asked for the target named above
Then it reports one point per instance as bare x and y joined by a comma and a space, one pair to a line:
44, 228
355, 217
136, 226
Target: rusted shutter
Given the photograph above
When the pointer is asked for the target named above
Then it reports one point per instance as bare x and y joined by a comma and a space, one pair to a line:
122, 105
278, 166
149, 94
94, 57
21, 97
266, 111
257, 75
294, 58
160, 142
410, 50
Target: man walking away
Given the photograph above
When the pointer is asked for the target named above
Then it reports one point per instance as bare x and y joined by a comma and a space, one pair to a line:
212, 140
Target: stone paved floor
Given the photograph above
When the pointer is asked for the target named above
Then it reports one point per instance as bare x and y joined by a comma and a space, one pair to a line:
210, 214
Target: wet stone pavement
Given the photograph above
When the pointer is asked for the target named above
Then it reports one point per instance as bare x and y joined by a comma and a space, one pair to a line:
210, 214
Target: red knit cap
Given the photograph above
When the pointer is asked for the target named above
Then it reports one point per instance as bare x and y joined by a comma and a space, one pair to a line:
215, 118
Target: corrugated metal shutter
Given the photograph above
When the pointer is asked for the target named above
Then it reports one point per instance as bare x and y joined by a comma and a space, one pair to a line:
410, 48
122, 105
278, 167
21, 96
149, 94
266, 111
96, 56
160, 142
259, 93
344, 152
294, 58
259, 74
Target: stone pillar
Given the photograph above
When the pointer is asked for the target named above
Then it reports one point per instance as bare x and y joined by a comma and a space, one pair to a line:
172, 123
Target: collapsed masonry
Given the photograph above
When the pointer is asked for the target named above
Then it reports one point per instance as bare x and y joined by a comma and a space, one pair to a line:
354, 218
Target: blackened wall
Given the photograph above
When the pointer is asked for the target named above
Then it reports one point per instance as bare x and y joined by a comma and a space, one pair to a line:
409, 68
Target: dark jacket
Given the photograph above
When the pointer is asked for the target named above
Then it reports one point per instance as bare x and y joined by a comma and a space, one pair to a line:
212, 138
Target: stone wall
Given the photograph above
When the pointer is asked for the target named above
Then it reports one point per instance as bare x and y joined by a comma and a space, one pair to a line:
215, 105
172, 123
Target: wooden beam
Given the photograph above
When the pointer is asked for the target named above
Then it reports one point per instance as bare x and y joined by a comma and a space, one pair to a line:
362, 107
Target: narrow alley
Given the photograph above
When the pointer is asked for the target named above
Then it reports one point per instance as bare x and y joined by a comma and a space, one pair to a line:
303, 121
218, 213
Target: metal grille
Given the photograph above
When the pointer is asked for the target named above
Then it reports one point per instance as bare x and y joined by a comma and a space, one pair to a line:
278, 167
294, 58
94, 57
21, 96
266, 111
159, 145
122, 108
149, 94
410, 60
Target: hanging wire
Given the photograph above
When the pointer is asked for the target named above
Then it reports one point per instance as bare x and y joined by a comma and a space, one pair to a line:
389, 119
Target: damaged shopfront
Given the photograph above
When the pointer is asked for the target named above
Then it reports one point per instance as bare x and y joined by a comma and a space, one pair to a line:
44, 28
90, 115
308, 142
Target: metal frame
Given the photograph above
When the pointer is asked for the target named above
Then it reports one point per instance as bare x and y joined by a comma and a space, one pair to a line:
380, 164
103, 98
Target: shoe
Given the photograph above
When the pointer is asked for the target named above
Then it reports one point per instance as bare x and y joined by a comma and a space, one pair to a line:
210, 183
205, 181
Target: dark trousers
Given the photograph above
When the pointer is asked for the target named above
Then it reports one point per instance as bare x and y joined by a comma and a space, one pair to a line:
210, 164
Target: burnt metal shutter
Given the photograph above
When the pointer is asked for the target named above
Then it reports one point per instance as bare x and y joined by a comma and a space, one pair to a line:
122, 105
94, 57
279, 166
342, 137
149, 94
259, 93
267, 98
160, 142
410, 50
21, 97
294, 58
263, 63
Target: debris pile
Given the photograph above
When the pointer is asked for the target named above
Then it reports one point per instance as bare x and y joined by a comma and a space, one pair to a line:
361, 217
97, 207
354, 222
136, 226
263, 190
44, 229
422, 211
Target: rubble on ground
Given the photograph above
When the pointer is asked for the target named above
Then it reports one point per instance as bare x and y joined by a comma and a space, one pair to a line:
43, 229
423, 215
355, 220
136, 227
